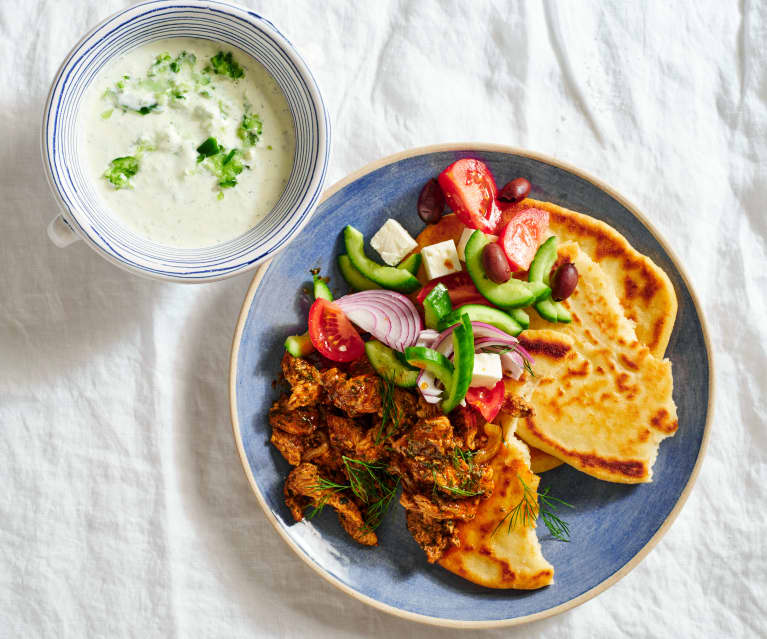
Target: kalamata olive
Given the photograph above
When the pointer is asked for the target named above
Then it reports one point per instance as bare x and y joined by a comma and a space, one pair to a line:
564, 282
515, 190
496, 264
431, 202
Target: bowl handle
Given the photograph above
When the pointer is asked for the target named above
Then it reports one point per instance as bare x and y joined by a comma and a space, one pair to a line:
61, 233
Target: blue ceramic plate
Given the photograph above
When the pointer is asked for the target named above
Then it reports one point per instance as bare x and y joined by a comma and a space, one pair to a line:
613, 526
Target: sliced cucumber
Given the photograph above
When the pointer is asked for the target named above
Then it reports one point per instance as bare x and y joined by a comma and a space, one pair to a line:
353, 277
540, 272
436, 306
520, 317
321, 289
391, 277
544, 259
486, 314
411, 263
299, 345
388, 365
547, 309
511, 294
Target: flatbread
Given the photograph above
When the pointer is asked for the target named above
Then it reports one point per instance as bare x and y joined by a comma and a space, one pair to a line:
494, 556
602, 401
643, 289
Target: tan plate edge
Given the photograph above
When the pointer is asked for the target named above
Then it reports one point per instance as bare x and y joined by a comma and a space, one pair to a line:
454, 623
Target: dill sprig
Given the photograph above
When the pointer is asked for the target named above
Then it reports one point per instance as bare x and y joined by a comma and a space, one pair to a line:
528, 508
466, 456
460, 491
325, 485
389, 411
373, 485
558, 528
527, 366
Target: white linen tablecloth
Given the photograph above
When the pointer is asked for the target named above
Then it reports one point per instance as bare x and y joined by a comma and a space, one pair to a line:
123, 508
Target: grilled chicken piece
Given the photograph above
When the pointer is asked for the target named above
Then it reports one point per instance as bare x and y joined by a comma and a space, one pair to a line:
291, 446
304, 380
434, 536
355, 396
439, 508
425, 410
302, 488
301, 421
344, 433
297, 370
350, 439
431, 458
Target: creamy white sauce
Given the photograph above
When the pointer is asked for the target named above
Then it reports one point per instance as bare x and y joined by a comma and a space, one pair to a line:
173, 199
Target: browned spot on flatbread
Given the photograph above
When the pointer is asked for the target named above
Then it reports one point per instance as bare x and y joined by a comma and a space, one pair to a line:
657, 331
628, 363
627, 468
485, 550
662, 421
581, 371
543, 347
622, 380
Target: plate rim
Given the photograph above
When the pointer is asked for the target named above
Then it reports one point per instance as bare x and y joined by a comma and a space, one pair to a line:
598, 588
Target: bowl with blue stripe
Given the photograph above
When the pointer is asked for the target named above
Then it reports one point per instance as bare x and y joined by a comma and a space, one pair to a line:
83, 214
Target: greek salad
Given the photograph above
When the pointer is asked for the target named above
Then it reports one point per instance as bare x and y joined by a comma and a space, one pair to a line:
453, 336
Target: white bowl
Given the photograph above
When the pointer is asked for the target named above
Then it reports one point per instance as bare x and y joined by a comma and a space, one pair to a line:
83, 214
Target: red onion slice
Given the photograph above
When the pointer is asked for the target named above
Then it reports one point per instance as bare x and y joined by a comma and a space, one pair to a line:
388, 316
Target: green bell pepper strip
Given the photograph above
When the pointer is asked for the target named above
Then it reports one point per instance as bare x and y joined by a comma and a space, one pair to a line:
436, 305
432, 361
463, 363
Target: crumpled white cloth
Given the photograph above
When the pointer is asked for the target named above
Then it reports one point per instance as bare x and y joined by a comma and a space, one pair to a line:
123, 509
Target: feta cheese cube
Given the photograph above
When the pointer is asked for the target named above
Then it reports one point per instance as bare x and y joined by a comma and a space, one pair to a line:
440, 259
467, 233
487, 370
393, 242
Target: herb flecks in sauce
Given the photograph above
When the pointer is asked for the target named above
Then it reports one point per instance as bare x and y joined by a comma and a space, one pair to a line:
156, 104
121, 170
225, 64
250, 128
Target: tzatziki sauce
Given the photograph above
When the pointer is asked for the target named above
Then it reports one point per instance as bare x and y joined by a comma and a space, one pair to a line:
189, 142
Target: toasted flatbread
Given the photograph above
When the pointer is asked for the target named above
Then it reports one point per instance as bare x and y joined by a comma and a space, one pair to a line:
643, 289
493, 555
602, 401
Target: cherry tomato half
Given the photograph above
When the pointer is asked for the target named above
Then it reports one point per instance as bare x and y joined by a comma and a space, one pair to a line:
522, 235
332, 334
470, 190
487, 401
